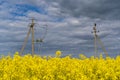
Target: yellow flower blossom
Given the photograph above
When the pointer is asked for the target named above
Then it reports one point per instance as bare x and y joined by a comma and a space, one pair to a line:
35, 67
58, 53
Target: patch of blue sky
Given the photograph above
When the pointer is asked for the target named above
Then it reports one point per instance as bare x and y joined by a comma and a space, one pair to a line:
57, 19
2, 1
22, 9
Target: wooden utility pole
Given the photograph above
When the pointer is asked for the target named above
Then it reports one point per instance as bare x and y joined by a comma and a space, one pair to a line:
97, 39
95, 42
32, 29
26, 39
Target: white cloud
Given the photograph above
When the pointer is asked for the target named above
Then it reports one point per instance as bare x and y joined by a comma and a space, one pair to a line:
70, 32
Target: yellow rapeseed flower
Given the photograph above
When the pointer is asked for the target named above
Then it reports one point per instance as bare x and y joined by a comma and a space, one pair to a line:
58, 53
28, 67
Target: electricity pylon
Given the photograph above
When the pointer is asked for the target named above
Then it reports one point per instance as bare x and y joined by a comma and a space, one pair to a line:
97, 39
31, 29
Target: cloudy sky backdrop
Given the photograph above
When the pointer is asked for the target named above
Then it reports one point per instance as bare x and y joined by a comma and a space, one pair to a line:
70, 23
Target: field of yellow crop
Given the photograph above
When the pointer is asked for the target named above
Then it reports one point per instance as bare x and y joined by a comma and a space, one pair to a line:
35, 67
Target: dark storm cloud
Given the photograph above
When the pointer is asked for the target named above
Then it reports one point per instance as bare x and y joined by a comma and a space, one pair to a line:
104, 9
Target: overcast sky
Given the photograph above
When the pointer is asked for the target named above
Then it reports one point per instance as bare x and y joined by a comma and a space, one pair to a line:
70, 23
